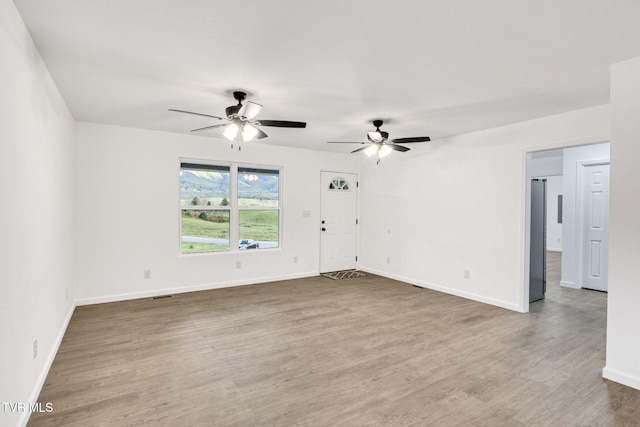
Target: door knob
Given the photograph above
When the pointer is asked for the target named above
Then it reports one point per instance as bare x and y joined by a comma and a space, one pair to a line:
324, 229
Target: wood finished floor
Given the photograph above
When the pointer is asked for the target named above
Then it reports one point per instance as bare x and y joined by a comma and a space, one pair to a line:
320, 352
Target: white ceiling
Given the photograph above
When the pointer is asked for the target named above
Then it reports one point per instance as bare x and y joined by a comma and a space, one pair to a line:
429, 67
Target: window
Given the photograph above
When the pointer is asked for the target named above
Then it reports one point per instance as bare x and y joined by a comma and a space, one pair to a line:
258, 207
221, 204
339, 184
205, 210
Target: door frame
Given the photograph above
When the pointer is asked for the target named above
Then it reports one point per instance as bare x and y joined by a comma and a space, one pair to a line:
357, 192
580, 202
525, 213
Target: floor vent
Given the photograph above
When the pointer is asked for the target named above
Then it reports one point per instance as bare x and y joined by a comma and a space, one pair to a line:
162, 296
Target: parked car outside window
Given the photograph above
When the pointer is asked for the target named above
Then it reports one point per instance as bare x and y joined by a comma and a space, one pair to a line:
249, 244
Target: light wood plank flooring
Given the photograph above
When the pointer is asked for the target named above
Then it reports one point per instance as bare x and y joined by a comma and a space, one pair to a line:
319, 352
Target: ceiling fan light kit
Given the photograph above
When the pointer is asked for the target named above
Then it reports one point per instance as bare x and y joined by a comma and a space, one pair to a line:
249, 132
371, 150
384, 151
231, 131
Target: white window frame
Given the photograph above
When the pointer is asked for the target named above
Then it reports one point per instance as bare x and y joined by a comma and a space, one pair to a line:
233, 208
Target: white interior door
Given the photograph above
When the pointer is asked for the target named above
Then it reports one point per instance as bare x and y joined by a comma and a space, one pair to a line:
338, 221
595, 227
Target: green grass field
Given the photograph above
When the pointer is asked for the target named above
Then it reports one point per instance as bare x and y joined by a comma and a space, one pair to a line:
201, 228
197, 247
259, 225
256, 225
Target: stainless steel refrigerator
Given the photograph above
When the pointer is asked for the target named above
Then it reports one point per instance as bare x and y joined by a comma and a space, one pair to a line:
538, 240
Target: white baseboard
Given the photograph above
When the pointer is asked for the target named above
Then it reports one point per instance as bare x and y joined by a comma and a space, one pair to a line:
446, 290
24, 419
567, 284
621, 377
194, 288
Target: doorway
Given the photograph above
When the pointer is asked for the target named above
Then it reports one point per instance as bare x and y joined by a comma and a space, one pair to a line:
338, 221
577, 217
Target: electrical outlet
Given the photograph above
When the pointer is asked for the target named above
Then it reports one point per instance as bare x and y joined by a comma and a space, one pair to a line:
147, 274
295, 259
35, 348
388, 260
467, 274
238, 264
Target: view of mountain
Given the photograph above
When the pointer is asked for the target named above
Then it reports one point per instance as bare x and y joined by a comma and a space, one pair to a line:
205, 184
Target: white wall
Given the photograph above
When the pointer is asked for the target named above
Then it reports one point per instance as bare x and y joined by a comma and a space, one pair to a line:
571, 234
459, 204
545, 163
623, 342
36, 226
128, 213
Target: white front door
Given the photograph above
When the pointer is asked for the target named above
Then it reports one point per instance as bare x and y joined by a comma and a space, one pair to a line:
338, 222
595, 227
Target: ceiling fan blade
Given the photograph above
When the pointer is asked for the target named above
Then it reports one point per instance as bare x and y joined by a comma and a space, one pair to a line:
413, 139
375, 136
197, 114
281, 123
398, 147
249, 110
361, 148
260, 134
208, 127
346, 142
